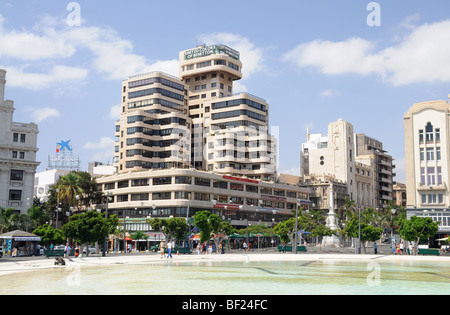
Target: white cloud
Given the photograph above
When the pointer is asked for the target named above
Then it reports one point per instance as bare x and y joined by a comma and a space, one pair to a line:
40, 114
252, 57
115, 111
17, 77
104, 149
421, 56
52, 42
331, 93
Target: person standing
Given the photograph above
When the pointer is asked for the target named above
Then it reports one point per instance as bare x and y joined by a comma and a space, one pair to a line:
67, 250
375, 247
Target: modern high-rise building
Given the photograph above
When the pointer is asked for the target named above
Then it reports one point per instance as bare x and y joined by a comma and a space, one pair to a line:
195, 121
190, 143
427, 147
18, 147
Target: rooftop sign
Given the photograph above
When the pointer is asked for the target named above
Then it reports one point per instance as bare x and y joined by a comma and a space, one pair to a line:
203, 51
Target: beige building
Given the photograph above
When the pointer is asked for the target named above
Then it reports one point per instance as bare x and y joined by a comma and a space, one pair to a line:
18, 148
427, 153
195, 121
190, 143
383, 168
354, 159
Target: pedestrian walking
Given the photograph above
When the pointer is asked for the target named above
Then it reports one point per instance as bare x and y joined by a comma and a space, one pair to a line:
283, 247
245, 247
67, 250
162, 247
198, 249
375, 247
169, 249
402, 247
77, 250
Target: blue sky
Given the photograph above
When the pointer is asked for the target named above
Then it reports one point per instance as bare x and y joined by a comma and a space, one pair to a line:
313, 61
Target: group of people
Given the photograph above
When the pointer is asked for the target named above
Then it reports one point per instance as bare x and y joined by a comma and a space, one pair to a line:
209, 248
169, 246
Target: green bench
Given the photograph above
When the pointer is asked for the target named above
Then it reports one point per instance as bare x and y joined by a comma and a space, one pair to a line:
289, 248
181, 250
57, 253
425, 251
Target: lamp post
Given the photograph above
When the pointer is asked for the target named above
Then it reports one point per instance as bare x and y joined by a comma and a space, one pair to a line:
108, 195
359, 228
294, 246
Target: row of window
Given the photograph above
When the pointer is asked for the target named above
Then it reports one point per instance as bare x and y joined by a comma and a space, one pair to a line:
217, 62
158, 122
237, 113
430, 135
432, 198
431, 153
205, 182
152, 91
238, 102
149, 132
155, 101
19, 136
198, 196
149, 81
18, 155
433, 176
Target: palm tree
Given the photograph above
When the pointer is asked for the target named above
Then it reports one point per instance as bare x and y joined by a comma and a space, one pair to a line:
6, 216
69, 187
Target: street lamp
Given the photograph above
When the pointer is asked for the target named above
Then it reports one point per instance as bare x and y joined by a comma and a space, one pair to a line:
108, 195
294, 247
359, 228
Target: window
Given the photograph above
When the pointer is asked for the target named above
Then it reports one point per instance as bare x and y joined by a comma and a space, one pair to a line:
278, 192
15, 137
439, 175
421, 136
122, 184
201, 196
183, 180
265, 190
140, 182
234, 186
438, 153
162, 180
161, 195
429, 132
17, 175
182, 195
220, 184
422, 154
251, 188
437, 133
202, 182
14, 154
422, 176
15, 195
21, 155
431, 180
22, 138
122, 198
138, 197
430, 154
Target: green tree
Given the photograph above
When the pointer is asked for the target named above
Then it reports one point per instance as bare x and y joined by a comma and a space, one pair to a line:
286, 230
368, 232
139, 235
171, 228
90, 227
417, 229
321, 230
201, 220
49, 235
219, 229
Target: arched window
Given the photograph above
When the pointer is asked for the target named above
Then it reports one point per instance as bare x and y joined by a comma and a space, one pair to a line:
429, 132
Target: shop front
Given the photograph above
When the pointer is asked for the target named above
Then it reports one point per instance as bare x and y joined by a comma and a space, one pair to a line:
20, 243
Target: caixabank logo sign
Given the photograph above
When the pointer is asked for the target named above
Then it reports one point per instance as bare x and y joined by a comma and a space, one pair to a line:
63, 146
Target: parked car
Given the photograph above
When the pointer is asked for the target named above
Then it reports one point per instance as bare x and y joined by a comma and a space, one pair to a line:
92, 250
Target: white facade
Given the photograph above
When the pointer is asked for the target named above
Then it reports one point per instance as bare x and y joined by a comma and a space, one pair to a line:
333, 155
427, 153
18, 147
44, 181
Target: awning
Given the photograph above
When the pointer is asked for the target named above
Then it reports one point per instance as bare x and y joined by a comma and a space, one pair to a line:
20, 236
